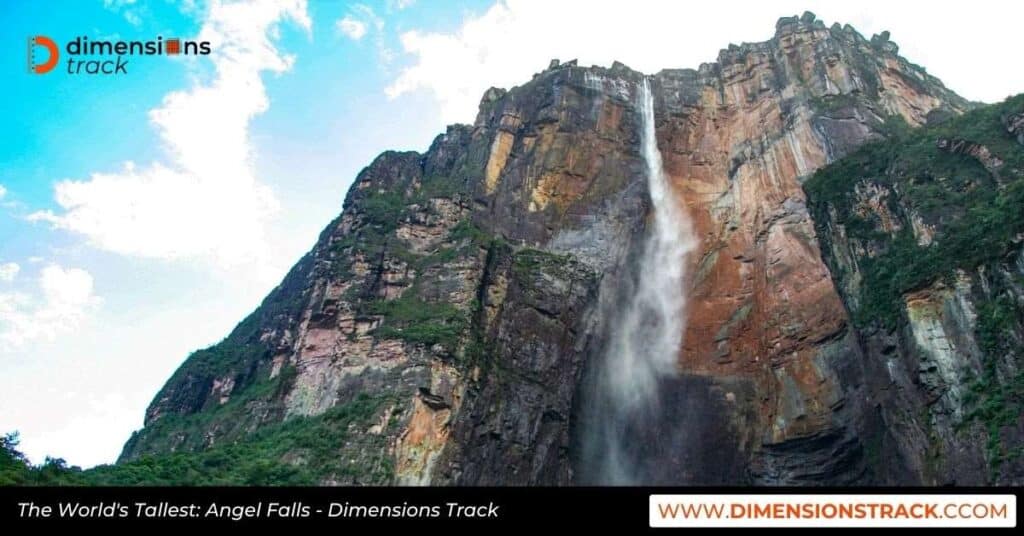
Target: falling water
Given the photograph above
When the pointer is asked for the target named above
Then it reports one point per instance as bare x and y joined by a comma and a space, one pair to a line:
644, 347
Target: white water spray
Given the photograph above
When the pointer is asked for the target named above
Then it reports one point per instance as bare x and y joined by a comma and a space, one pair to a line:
644, 348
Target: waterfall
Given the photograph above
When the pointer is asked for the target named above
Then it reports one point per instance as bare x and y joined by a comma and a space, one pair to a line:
645, 340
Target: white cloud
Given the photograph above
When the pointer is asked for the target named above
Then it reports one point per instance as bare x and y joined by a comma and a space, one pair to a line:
133, 18
8, 271
63, 300
115, 5
359, 22
363, 21
203, 201
129, 9
3, 191
513, 39
352, 28
368, 14
400, 4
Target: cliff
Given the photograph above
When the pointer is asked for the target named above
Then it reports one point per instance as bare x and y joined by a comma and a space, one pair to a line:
445, 328
923, 236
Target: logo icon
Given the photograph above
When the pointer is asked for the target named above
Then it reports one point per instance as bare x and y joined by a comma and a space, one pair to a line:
172, 46
52, 54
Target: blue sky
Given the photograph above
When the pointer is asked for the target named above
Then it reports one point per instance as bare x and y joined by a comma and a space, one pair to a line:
143, 215
90, 371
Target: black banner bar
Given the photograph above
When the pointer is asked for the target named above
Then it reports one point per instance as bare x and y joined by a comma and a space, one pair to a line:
536, 508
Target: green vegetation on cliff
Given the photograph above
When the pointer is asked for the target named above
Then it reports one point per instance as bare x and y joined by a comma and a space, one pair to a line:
299, 451
414, 318
996, 397
977, 214
962, 183
420, 322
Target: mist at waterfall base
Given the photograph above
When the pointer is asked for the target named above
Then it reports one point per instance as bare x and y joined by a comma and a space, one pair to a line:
625, 439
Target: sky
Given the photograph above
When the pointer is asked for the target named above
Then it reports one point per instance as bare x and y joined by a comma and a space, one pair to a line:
143, 215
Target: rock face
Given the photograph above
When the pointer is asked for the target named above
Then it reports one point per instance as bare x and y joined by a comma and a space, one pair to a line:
468, 289
1015, 125
923, 238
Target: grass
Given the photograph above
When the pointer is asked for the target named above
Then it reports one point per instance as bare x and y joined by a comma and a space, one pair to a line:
527, 262
417, 321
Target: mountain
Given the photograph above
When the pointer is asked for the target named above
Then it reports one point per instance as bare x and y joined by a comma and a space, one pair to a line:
852, 291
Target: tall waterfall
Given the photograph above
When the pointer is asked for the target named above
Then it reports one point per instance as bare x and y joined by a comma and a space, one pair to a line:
645, 341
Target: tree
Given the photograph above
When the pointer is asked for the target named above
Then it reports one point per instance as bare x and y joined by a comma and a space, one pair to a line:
14, 466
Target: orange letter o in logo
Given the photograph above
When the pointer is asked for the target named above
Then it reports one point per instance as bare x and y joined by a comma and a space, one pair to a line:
51, 49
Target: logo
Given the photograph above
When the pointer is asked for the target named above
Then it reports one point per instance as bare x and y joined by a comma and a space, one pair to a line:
102, 57
52, 54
